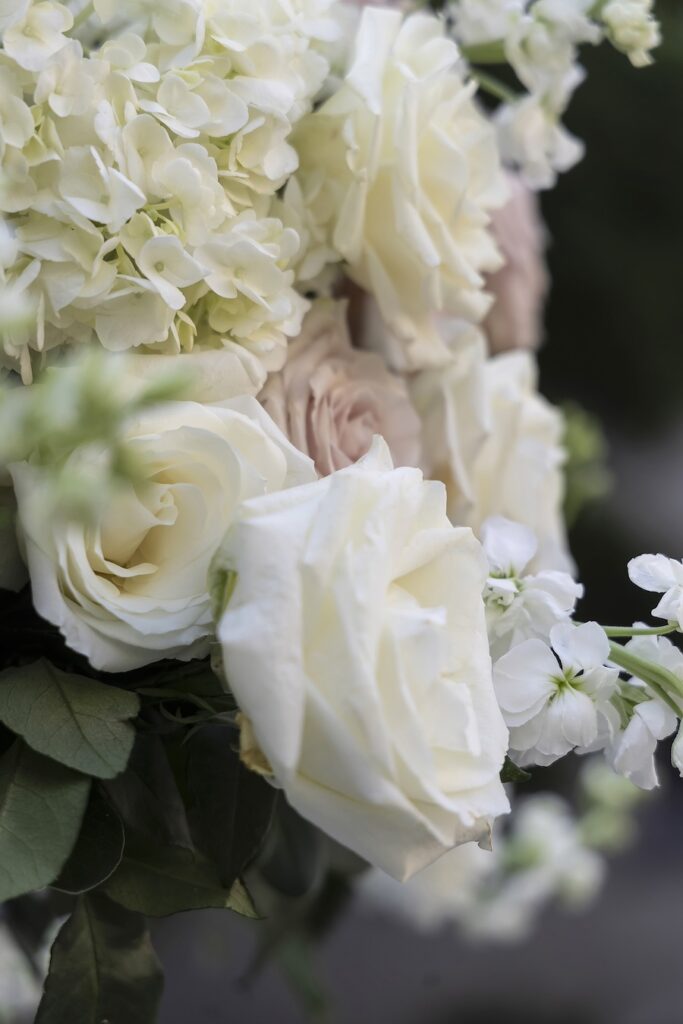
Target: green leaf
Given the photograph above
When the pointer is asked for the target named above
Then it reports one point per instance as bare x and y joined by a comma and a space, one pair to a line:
293, 861
77, 721
41, 809
160, 880
103, 969
146, 795
231, 808
98, 850
511, 772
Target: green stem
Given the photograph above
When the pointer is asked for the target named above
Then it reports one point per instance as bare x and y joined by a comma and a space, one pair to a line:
616, 631
664, 684
85, 14
485, 53
493, 86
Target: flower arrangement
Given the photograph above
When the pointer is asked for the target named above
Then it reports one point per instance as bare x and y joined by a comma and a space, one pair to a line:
284, 574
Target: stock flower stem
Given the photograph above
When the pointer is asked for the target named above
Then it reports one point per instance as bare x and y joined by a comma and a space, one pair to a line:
84, 15
494, 87
486, 53
627, 631
667, 686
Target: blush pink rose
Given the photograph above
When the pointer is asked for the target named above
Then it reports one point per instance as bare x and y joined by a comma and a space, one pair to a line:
520, 286
330, 399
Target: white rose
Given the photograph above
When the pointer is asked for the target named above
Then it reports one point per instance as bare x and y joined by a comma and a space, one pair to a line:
517, 473
212, 375
133, 588
494, 441
355, 643
402, 168
451, 401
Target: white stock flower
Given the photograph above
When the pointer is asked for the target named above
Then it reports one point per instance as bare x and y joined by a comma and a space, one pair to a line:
355, 643
556, 698
632, 753
661, 575
132, 588
521, 605
632, 28
632, 750
475, 22
533, 140
541, 47
406, 170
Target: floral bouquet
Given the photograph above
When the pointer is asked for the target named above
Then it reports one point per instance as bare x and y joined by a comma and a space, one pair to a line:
285, 585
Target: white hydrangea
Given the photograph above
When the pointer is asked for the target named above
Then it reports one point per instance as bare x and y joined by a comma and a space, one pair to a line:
521, 605
137, 178
556, 698
402, 168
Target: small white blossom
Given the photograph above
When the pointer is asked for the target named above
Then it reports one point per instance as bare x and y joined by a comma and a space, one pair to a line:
477, 22
169, 268
632, 751
16, 122
533, 140
521, 605
126, 53
660, 575
556, 698
99, 193
632, 28
34, 40
67, 83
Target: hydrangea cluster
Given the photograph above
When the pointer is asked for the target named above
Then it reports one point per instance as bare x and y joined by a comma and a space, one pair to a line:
137, 175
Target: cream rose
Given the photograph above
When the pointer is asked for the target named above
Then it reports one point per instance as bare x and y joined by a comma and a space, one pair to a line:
401, 169
133, 588
451, 402
330, 399
494, 441
517, 473
355, 642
